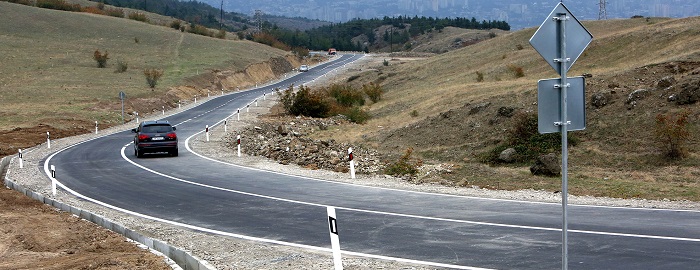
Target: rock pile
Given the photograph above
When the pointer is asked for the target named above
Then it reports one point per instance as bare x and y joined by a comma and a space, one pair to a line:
287, 141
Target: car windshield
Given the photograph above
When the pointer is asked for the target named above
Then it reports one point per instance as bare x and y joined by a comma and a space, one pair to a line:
157, 129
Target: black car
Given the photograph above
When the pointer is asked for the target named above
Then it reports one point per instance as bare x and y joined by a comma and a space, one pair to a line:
153, 137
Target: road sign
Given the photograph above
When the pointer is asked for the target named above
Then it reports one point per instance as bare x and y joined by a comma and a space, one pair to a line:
549, 104
545, 40
122, 95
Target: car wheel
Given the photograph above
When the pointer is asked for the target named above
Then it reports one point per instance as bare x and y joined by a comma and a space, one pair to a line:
173, 153
138, 153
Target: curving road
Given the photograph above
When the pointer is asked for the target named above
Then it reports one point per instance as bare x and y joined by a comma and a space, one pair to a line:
432, 229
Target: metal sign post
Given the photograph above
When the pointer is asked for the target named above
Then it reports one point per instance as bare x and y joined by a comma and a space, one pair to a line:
555, 28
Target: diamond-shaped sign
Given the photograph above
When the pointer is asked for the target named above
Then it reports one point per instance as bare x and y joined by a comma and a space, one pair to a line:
546, 38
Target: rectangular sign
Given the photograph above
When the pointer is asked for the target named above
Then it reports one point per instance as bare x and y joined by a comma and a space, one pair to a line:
549, 104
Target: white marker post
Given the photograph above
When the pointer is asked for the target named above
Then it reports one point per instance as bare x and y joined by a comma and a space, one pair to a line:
96, 127
352, 163
179, 104
247, 108
48, 140
208, 95
195, 99
238, 114
163, 110
206, 130
21, 163
335, 239
256, 102
263, 96
238, 142
225, 126
53, 180
137, 117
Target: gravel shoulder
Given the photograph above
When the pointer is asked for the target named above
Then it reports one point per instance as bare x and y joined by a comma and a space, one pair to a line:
232, 253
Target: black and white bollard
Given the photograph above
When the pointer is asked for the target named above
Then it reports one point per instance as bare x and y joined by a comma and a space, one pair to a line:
179, 104
21, 162
208, 95
238, 114
352, 163
247, 108
195, 99
335, 239
256, 102
48, 140
238, 142
225, 126
96, 127
163, 110
263, 96
206, 130
53, 180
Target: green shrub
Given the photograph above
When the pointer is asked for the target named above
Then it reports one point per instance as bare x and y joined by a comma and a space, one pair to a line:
100, 58
357, 115
221, 34
121, 67
519, 47
386, 63
138, 16
152, 76
414, 113
373, 91
58, 5
479, 76
176, 24
524, 137
199, 30
672, 133
304, 102
345, 95
404, 166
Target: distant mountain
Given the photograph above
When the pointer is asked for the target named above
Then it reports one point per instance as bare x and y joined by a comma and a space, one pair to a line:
518, 13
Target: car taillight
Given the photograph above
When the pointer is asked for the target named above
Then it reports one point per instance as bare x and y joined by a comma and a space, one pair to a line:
143, 137
171, 136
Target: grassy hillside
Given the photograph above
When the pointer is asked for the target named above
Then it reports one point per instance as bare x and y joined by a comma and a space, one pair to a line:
437, 106
49, 74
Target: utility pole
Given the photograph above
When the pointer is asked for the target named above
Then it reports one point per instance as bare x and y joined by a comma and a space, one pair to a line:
221, 20
602, 12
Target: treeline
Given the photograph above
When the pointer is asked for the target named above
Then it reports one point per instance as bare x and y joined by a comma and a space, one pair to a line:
192, 12
339, 35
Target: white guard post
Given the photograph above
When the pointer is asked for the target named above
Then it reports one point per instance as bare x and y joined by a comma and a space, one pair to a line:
256, 102
238, 114
48, 140
96, 125
352, 163
53, 180
163, 110
247, 108
238, 142
21, 163
206, 130
225, 126
335, 239
137, 117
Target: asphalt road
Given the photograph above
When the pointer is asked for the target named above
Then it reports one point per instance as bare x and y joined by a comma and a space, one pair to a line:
433, 229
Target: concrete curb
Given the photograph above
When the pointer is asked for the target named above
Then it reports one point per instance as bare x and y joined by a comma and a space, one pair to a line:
183, 259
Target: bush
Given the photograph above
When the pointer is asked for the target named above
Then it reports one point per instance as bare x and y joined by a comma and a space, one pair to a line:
100, 58
353, 77
93, 10
345, 95
373, 91
357, 115
199, 30
176, 24
121, 67
517, 71
527, 141
58, 5
386, 63
414, 113
404, 166
152, 76
115, 12
300, 51
304, 102
519, 47
479, 76
221, 34
138, 16
672, 133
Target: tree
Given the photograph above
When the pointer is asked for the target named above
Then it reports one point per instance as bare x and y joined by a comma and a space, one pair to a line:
100, 58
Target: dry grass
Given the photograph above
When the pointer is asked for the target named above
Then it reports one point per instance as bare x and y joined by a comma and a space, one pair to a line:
617, 156
48, 73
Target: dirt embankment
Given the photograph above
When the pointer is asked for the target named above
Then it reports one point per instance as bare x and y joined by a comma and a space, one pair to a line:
210, 82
